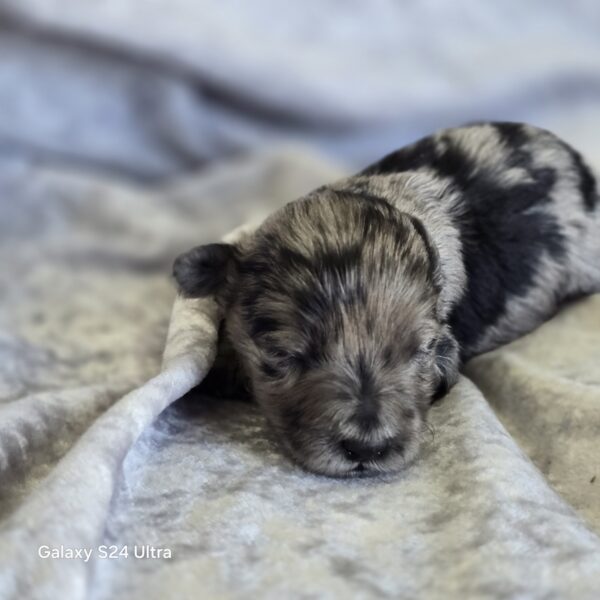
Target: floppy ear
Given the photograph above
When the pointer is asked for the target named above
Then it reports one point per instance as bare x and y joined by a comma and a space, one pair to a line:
435, 271
205, 270
447, 363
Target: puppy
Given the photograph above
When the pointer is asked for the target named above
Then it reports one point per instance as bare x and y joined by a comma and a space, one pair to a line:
354, 307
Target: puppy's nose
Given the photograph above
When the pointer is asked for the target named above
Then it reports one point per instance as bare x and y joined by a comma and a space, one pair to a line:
363, 451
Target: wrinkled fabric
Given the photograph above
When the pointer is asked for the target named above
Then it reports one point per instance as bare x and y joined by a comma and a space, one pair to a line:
132, 130
88, 463
154, 88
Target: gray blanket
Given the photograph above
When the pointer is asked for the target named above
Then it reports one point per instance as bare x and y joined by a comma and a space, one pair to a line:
109, 457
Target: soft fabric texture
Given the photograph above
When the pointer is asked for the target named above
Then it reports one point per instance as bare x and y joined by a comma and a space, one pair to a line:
150, 88
84, 467
101, 440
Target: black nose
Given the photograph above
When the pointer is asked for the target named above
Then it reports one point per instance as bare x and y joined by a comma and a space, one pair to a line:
363, 451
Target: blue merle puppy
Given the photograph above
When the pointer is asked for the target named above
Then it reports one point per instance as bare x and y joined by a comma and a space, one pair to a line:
354, 307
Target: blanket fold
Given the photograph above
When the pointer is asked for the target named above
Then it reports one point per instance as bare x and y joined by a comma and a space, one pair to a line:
205, 480
131, 131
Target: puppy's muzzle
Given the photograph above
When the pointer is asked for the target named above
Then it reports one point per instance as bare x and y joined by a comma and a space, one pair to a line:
357, 451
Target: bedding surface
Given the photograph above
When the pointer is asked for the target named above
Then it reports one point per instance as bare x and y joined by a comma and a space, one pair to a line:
502, 503
122, 146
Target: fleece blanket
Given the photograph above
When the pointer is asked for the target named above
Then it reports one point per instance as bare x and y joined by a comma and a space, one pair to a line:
192, 496
132, 130
153, 88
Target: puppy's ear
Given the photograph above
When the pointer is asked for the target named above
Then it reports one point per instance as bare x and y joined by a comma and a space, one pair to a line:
435, 271
447, 363
205, 270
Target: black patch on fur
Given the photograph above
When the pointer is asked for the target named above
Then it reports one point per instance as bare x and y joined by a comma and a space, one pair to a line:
503, 244
587, 181
502, 250
289, 258
503, 241
410, 158
366, 416
338, 262
513, 135
366, 379
515, 140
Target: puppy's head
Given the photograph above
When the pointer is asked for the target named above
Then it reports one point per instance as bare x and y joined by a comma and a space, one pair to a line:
331, 306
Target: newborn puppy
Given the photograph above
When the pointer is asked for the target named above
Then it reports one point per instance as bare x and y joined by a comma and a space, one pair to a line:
353, 308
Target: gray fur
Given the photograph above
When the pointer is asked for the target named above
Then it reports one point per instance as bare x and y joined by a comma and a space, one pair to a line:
351, 307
